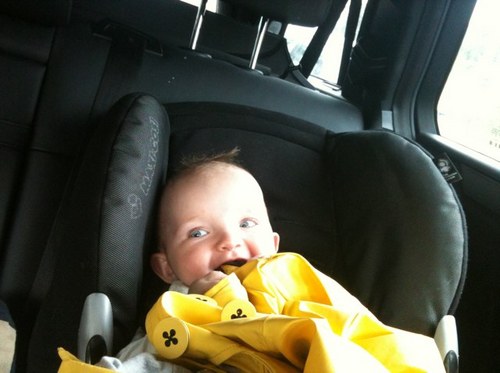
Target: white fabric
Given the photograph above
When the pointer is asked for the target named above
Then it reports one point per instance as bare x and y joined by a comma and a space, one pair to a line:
179, 287
139, 355
7, 345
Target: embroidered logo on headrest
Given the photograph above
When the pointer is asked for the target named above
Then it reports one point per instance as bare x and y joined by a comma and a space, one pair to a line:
135, 206
149, 171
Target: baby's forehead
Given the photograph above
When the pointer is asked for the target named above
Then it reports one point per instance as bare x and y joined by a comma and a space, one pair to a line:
213, 170
220, 183
216, 175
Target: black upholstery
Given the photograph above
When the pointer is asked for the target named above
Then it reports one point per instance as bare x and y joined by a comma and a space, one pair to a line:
24, 55
400, 228
102, 226
46, 12
368, 208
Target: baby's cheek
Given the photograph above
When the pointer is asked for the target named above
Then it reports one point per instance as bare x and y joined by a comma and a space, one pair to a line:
193, 268
265, 248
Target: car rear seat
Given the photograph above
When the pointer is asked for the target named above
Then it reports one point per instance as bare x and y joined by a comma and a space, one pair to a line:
60, 74
31, 176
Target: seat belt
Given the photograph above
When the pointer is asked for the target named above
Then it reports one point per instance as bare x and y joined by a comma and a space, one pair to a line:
350, 34
315, 47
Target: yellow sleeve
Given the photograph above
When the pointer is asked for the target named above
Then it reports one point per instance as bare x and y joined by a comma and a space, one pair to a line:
227, 289
70, 364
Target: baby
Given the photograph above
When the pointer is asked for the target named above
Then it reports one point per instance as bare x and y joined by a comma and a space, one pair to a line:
212, 213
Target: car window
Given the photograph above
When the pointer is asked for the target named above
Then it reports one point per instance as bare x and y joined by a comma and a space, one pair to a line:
326, 71
211, 4
469, 106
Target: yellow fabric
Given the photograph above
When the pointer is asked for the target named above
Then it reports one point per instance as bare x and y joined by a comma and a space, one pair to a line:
306, 322
70, 364
228, 290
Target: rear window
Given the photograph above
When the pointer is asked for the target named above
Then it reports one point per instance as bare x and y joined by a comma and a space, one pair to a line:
325, 74
211, 4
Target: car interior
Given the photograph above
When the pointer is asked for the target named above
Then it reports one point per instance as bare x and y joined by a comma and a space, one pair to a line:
101, 99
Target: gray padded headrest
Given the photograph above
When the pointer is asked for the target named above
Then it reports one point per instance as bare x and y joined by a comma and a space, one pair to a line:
104, 226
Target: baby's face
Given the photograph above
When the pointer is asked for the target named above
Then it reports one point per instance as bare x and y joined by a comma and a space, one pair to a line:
214, 216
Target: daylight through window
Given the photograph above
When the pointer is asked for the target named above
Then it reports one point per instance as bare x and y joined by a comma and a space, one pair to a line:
469, 107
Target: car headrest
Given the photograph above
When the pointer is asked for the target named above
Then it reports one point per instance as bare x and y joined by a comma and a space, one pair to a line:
297, 12
105, 223
46, 12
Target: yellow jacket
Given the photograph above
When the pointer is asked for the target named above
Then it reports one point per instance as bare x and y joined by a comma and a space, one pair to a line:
301, 320
280, 314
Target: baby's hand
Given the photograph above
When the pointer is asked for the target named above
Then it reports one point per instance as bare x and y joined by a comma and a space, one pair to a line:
204, 284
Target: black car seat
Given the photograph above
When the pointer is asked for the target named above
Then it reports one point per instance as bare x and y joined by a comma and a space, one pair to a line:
368, 208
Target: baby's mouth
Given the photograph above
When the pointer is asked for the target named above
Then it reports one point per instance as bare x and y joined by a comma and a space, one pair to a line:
233, 263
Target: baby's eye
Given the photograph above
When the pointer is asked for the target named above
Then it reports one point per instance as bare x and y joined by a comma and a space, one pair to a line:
197, 233
248, 223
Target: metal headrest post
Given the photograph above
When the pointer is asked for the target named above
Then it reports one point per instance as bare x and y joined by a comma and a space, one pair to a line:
261, 32
197, 24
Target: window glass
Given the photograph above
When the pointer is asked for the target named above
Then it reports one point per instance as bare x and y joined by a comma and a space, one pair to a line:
326, 71
469, 107
211, 4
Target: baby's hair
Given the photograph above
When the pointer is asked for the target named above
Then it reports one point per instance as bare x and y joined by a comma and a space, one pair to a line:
197, 160
194, 162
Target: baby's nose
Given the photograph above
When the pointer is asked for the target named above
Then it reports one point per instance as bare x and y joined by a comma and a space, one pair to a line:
229, 240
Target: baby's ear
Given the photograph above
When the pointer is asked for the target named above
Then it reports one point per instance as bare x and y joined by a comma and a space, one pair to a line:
276, 241
160, 266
